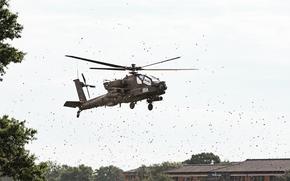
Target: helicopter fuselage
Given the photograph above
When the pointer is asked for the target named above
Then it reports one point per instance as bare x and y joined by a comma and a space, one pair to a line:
131, 89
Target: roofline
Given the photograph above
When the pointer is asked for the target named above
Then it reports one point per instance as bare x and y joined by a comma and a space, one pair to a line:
215, 169
225, 172
266, 159
221, 164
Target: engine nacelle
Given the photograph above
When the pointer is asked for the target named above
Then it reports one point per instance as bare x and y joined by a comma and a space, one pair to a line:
114, 84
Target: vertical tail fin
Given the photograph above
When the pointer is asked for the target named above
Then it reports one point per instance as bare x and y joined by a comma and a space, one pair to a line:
79, 87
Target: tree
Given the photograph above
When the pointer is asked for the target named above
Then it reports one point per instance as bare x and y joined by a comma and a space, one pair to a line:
285, 177
56, 172
80, 173
53, 171
9, 29
161, 177
155, 172
109, 173
203, 158
15, 160
144, 173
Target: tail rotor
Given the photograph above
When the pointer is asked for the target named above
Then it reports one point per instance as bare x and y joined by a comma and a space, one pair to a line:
87, 85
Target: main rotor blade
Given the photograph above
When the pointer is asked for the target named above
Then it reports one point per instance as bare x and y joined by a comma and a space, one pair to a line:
94, 61
160, 62
88, 92
84, 78
97, 68
167, 69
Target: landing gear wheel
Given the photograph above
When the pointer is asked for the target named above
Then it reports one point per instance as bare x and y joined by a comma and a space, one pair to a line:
132, 105
78, 114
150, 107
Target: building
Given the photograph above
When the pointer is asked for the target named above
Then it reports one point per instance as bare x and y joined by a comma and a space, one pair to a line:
249, 170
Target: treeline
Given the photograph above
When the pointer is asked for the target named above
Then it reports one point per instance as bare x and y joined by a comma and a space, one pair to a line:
56, 172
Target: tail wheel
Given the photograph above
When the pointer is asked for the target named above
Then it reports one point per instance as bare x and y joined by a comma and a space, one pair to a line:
132, 105
150, 107
78, 114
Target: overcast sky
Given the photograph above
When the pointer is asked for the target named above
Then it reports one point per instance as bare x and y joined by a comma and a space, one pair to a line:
236, 105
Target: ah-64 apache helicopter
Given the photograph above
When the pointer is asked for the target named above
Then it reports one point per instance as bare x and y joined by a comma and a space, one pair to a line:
131, 89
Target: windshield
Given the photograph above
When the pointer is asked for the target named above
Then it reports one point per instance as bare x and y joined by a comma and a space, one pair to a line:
144, 79
154, 79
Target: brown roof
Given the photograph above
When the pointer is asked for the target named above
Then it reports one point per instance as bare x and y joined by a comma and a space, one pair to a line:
248, 166
197, 168
259, 165
132, 171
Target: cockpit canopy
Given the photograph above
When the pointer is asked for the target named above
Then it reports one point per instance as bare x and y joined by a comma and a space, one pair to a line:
146, 79
154, 79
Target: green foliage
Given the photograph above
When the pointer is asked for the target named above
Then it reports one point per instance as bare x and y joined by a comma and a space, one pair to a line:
203, 158
15, 161
110, 173
9, 29
162, 177
80, 173
285, 177
143, 173
155, 172
55, 172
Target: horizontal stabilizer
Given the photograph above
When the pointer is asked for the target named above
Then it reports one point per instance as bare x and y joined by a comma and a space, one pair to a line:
72, 104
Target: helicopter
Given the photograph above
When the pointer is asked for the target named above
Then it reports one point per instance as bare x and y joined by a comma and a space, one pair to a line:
131, 89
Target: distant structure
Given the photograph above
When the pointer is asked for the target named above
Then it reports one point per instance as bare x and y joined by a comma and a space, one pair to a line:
249, 170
